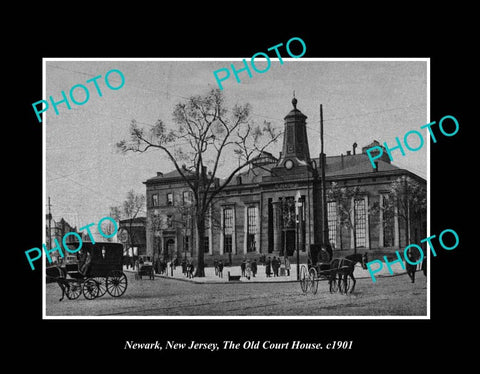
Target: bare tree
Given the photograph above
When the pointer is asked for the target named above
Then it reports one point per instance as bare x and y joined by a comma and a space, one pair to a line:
108, 227
129, 210
207, 132
408, 200
345, 199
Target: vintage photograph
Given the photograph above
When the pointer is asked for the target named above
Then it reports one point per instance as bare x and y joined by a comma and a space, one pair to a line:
289, 191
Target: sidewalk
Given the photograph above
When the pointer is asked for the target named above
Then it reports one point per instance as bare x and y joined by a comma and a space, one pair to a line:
261, 277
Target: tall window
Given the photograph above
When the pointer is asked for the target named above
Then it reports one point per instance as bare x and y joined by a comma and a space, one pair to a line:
360, 223
169, 221
170, 198
155, 199
227, 230
332, 222
206, 244
387, 222
187, 197
186, 243
206, 232
251, 228
288, 212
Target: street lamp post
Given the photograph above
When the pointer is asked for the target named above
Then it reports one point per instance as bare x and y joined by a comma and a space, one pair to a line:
298, 204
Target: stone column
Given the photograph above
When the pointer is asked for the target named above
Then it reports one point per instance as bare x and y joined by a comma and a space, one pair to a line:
277, 225
301, 227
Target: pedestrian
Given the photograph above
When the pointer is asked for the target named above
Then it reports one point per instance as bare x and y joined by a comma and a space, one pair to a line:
254, 267
171, 268
248, 269
184, 266
287, 266
192, 268
275, 266
215, 266
268, 267
187, 268
411, 269
243, 266
220, 268
424, 266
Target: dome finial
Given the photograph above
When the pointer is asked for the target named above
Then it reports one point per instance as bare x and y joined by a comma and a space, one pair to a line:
294, 101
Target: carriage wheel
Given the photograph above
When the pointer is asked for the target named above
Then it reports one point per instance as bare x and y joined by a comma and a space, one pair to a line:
102, 285
304, 278
116, 283
313, 280
333, 281
90, 289
74, 290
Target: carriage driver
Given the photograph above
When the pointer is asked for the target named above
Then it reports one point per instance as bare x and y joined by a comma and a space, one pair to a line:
326, 253
84, 261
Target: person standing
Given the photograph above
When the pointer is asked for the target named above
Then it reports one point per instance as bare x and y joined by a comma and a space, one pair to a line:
275, 266
248, 269
287, 266
191, 269
254, 267
243, 266
268, 267
220, 268
184, 266
411, 269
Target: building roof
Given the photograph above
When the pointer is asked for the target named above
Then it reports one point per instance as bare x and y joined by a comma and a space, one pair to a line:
353, 164
174, 174
336, 166
134, 221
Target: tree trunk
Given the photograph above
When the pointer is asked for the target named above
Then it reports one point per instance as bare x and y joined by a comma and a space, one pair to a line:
354, 229
199, 246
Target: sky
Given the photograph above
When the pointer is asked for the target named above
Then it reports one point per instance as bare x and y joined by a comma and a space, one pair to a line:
85, 175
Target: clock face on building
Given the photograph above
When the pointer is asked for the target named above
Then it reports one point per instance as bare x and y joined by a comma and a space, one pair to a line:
289, 164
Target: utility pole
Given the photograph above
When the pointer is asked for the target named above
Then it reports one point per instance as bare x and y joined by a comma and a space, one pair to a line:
297, 218
407, 210
324, 237
49, 217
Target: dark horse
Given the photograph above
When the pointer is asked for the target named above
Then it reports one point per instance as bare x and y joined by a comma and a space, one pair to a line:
345, 266
59, 275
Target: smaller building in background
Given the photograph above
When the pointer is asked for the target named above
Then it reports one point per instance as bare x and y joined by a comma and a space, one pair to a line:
131, 233
57, 231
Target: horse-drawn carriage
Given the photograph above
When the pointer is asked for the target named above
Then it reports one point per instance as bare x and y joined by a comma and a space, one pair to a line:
144, 267
338, 272
98, 270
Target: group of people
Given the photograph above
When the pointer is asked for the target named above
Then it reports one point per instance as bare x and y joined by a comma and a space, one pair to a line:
249, 268
218, 266
188, 268
272, 266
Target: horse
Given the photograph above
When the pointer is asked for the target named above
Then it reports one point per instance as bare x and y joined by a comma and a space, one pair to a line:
59, 275
345, 266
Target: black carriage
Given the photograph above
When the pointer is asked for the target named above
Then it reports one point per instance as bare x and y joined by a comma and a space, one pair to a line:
311, 274
145, 267
97, 271
338, 272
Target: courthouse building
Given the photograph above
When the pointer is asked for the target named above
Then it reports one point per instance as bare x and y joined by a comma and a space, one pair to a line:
258, 212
